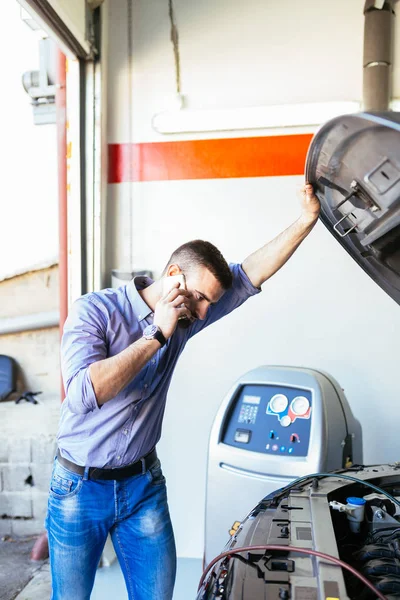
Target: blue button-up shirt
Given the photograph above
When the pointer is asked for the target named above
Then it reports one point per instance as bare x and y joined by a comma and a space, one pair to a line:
100, 325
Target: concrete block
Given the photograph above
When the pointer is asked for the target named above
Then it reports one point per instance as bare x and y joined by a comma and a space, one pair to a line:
44, 449
19, 450
41, 474
16, 504
5, 527
27, 421
5, 505
39, 505
23, 527
3, 449
14, 477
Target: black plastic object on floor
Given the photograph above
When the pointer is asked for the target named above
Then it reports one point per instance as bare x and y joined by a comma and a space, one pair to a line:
29, 397
354, 165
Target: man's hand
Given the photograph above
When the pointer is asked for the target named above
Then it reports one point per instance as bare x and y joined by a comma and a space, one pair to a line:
170, 308
310, 205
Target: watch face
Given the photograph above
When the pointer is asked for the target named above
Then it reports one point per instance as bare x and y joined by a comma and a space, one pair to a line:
150, 331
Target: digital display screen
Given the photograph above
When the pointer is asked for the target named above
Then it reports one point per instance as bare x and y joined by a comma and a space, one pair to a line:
251, 399
242, 436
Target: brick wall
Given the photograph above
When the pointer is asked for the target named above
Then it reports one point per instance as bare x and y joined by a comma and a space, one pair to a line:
27, 431
27, 449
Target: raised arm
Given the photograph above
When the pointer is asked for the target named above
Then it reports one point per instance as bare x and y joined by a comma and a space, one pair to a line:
266, 261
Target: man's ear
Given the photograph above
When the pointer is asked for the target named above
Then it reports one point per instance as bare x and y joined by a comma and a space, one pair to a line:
173, 270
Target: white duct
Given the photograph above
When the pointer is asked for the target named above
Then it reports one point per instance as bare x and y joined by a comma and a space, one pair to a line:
29, 322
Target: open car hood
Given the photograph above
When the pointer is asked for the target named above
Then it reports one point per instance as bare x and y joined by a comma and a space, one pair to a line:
354, 165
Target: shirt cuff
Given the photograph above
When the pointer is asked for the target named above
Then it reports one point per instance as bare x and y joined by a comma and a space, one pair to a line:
81, 396
90, 396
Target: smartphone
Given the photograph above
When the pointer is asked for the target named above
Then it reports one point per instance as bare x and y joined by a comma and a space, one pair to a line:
168, 284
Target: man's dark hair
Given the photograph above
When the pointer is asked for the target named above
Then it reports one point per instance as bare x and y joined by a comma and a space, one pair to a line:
199, 253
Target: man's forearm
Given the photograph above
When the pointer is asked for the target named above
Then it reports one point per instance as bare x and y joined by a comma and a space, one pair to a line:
266, 261
111, 375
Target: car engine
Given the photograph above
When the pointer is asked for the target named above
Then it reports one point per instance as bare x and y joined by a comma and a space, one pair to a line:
352, 516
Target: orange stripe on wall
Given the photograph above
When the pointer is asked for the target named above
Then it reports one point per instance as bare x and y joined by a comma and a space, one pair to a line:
208, 159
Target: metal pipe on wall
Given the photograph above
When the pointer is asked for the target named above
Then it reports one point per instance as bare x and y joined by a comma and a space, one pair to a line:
377, 59
29, 322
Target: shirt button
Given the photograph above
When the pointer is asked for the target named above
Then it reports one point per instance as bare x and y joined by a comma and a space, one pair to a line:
125, 431
118, 457
153, 362
140, 316
145, 386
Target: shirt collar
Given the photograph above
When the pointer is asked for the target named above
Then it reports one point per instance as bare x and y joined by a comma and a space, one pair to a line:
141, 309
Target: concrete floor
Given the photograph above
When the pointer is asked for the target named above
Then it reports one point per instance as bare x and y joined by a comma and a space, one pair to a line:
15, 567
110, 583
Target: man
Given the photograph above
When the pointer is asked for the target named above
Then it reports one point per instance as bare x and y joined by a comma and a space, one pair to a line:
119, 350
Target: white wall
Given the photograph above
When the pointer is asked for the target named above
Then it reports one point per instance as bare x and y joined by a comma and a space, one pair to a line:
234, 54
28, 185
321, 310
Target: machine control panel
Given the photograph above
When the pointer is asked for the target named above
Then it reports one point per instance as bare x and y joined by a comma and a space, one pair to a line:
270, 419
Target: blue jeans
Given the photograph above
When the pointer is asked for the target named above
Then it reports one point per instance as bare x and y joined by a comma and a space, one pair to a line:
81, 513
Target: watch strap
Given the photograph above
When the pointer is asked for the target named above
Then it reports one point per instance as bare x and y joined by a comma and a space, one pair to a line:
159, 336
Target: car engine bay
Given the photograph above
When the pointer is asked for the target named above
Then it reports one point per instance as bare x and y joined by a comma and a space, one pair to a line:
352, 515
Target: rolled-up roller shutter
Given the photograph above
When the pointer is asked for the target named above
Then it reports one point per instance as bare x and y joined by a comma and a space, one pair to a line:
68, 22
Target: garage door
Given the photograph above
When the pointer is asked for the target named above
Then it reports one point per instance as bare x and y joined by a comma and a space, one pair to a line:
68, 22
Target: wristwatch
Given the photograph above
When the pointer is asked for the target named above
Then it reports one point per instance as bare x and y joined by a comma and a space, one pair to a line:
153, 332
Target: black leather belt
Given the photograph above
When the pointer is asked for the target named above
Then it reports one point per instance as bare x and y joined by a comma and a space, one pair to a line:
136, 468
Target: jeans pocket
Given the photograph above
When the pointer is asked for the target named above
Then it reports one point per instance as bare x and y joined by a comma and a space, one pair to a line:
64, 483
155, 474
